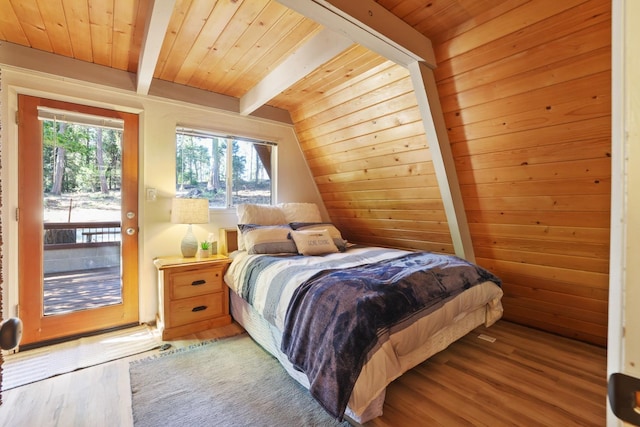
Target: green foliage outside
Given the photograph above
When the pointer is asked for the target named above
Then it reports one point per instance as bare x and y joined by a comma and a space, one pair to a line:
70, 158
201, 170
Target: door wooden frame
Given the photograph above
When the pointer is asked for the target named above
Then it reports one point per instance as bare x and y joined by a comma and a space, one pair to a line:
37, 327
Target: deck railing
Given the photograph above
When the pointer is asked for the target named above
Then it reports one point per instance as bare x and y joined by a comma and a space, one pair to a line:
65, 235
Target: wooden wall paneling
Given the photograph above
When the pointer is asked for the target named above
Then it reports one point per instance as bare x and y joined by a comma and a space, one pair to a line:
597, 265
547, 64
594, 219
577, 203
361, 108
384, 73
595, 128
582, 331
542, 233
405, 136
489, 12
529, 119
584, 249
564, 160
359, 181
525, 26
539, 188
583, 99
372, 88
406, 163
406, 214
389, 142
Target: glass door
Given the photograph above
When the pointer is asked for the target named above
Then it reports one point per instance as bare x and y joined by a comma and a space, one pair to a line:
77, 219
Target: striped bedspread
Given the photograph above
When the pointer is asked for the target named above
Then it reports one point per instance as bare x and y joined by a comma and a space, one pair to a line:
268, 282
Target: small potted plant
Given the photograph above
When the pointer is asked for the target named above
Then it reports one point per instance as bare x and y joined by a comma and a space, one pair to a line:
204, 251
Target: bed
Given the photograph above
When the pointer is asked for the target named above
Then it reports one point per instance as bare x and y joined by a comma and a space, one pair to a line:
325, 310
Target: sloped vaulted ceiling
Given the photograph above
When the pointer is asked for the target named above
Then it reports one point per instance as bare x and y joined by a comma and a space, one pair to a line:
524, 92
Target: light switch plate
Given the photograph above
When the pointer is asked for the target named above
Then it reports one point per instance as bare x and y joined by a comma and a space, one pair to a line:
151, 194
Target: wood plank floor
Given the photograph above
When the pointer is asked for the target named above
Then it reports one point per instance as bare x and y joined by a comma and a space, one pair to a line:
524, 378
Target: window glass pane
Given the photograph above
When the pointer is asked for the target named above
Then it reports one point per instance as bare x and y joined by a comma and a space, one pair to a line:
251, 178
207, 165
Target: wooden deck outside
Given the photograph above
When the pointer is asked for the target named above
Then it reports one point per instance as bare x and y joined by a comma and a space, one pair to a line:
80, 290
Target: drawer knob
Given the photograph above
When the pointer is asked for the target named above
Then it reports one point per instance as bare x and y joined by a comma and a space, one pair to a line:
198, 282
199, 308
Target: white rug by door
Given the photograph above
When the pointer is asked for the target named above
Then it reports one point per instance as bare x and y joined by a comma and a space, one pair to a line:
34, 365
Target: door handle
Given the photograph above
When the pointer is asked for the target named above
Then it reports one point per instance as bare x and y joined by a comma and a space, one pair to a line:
131, 231
624, 396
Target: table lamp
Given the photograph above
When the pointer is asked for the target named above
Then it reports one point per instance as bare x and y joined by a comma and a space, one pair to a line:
189, 211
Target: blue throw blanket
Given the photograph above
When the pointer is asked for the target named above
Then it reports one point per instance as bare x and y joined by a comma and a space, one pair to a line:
335, 318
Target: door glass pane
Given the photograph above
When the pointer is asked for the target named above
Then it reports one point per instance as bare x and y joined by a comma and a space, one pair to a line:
81, 181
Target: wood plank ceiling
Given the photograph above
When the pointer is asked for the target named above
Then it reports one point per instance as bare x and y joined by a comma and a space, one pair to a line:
524, 86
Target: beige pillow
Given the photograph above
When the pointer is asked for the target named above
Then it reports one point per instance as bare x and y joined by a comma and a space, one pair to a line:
333, 231
300, 212
260, 214
314, 242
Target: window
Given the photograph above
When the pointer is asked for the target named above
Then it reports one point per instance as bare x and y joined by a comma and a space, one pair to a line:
228, 170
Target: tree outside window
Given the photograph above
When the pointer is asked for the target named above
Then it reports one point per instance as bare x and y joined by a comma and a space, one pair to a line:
227, 170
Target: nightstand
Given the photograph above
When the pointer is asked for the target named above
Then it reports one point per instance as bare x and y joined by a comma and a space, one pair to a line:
192, 295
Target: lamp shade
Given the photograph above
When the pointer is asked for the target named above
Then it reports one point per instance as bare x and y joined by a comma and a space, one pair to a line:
190, 211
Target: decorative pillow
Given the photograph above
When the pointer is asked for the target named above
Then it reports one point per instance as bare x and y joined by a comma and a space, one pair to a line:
300, 212
267, 239
313, 242
333, 231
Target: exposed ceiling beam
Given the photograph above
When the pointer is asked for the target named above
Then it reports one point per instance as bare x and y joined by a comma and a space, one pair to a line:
155, 30
424, 86
321, 48
371, 25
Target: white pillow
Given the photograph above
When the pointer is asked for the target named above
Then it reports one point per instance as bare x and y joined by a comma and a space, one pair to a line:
314, 242
300, 212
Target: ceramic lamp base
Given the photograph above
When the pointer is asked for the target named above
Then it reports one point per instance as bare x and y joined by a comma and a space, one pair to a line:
189, 245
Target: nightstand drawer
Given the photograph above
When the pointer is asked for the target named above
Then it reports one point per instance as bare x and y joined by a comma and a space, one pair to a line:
185, 284
188, 310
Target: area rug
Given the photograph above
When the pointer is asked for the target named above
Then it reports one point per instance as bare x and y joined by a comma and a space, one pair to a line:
29, 366
229, 382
